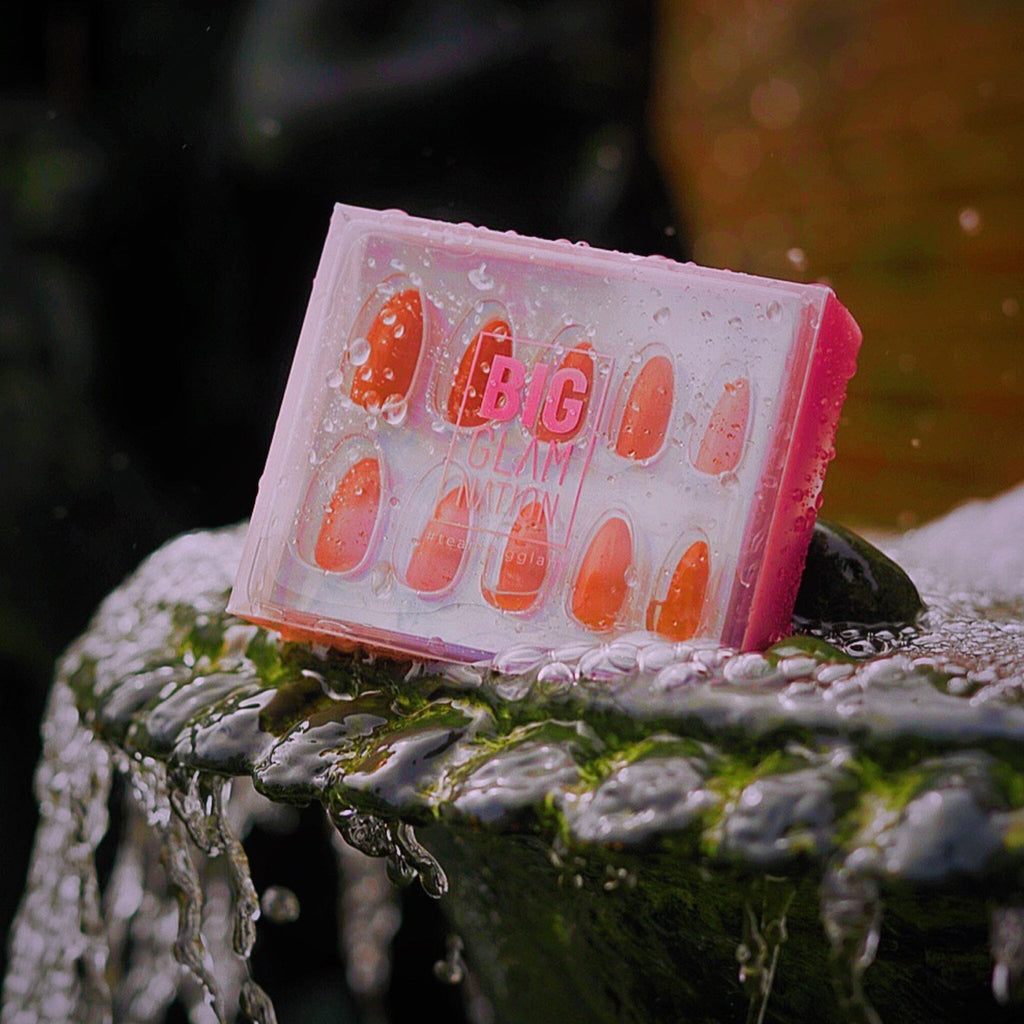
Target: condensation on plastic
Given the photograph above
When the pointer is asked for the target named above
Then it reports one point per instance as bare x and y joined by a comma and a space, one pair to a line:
488, 439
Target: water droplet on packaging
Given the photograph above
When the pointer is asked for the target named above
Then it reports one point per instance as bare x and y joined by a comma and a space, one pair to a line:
557, 672
335, 379
517, 660
358, 351
480, 279
662, 315
394, 410
381, 579
774, 310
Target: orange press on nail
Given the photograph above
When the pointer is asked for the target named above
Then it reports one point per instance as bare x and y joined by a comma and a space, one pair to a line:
489, 440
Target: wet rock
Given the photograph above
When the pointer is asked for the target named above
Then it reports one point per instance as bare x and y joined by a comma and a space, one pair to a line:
592, 819
847, 580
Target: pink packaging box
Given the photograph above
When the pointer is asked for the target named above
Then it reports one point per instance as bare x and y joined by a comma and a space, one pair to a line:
489, 440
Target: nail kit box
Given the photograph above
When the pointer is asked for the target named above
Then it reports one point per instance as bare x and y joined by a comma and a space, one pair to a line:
489, 440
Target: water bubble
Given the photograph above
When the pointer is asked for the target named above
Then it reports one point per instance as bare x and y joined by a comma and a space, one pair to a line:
358, 351
747, 668
516, 660
797, 667
970, 221
571, 652
774, 310
463, 675
662, 315
558, 673
452, 969
655, 656
680, 675
335, 379
280, 904
797, 257
389, 318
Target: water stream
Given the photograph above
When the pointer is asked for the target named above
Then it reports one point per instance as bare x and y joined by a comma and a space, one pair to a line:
632, 831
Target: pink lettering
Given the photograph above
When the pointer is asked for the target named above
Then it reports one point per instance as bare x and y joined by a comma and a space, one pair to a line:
565, 402
498, 467
535, 392
501, 395
479, 453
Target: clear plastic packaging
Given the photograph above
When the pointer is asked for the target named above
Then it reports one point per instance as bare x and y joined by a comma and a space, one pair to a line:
489, 440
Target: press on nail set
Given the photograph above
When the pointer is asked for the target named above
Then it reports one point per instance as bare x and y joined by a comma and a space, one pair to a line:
489, 440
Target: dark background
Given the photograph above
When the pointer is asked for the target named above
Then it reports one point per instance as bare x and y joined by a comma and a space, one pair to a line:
167, 171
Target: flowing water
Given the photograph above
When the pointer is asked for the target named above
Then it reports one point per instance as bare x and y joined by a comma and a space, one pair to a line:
587, 817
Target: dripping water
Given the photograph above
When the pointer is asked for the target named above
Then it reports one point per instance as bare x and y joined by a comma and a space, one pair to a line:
764, 933
851, 912
58, 951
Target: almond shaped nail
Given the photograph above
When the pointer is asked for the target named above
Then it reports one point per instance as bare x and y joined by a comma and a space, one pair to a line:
677, 616
577, 358
394, 337
600, 587
463, 405
648, 410
524, 561
441, 546
349, 518
722, 443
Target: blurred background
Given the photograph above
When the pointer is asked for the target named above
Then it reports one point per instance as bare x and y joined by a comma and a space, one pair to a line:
167, 170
